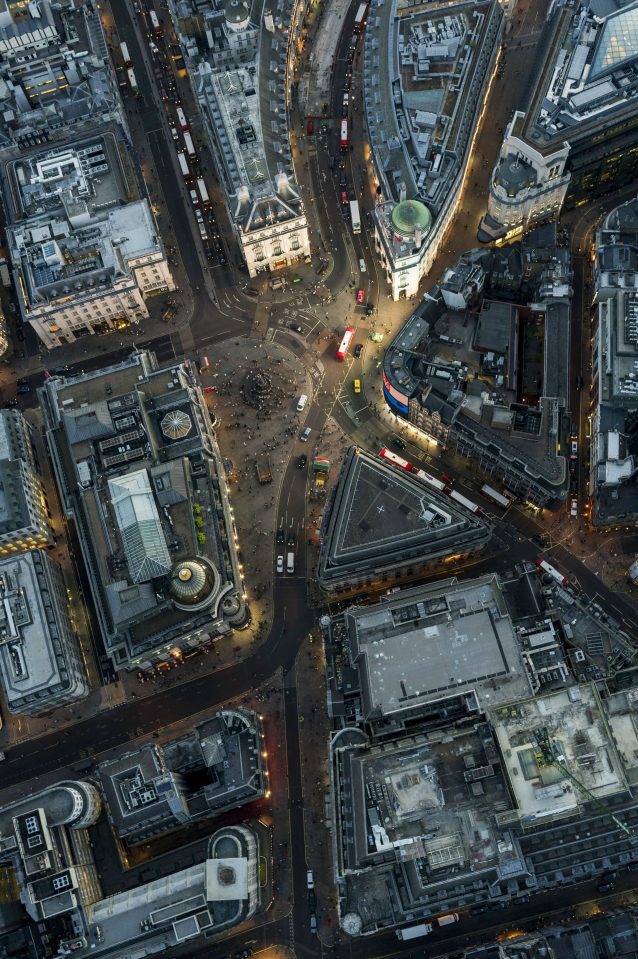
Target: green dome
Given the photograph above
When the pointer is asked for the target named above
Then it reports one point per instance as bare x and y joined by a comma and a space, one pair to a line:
410, 216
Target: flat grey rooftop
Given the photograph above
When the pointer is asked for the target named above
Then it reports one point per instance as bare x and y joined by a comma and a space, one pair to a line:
496, 327
436, 642
382, 518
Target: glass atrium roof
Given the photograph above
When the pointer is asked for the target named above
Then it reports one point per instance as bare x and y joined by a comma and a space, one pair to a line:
617, 42
138, 521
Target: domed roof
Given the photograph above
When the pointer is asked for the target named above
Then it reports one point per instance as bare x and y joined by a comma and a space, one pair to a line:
236, 11
193, 582
411, 215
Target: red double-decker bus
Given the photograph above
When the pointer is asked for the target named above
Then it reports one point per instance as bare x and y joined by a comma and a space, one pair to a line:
344, 346
343, 142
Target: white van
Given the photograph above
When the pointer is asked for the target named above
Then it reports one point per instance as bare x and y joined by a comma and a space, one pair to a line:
301, 402
290, 563
362, 265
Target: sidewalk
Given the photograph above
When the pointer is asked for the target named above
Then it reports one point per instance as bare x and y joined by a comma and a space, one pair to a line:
314, 731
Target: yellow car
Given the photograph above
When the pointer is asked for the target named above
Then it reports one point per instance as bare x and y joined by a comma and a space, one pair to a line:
357, 386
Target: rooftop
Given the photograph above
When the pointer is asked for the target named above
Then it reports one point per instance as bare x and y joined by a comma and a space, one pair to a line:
477, 802
239, 75
614, 458
433, 643
261, 183
423, 72
382, 519
580, 736
493, 371
78, 221
589, 78
66, 78
200, 900
34, 634
138, 466
157, 787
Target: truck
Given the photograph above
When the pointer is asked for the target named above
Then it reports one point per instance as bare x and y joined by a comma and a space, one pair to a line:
264, 468
125, 55
414, 932
355, 216
203, 192
495, 496
183, 165
188, 140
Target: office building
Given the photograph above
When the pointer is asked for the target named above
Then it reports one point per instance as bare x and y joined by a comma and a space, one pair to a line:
24, 520
139, 472
482, 365
425, 78
238, 74
454, 789
56, 74
444, 648
577, 138
205, 899
613, 464
48, 841
382, 524
84, 244
41, 665
217, 767
45, 838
